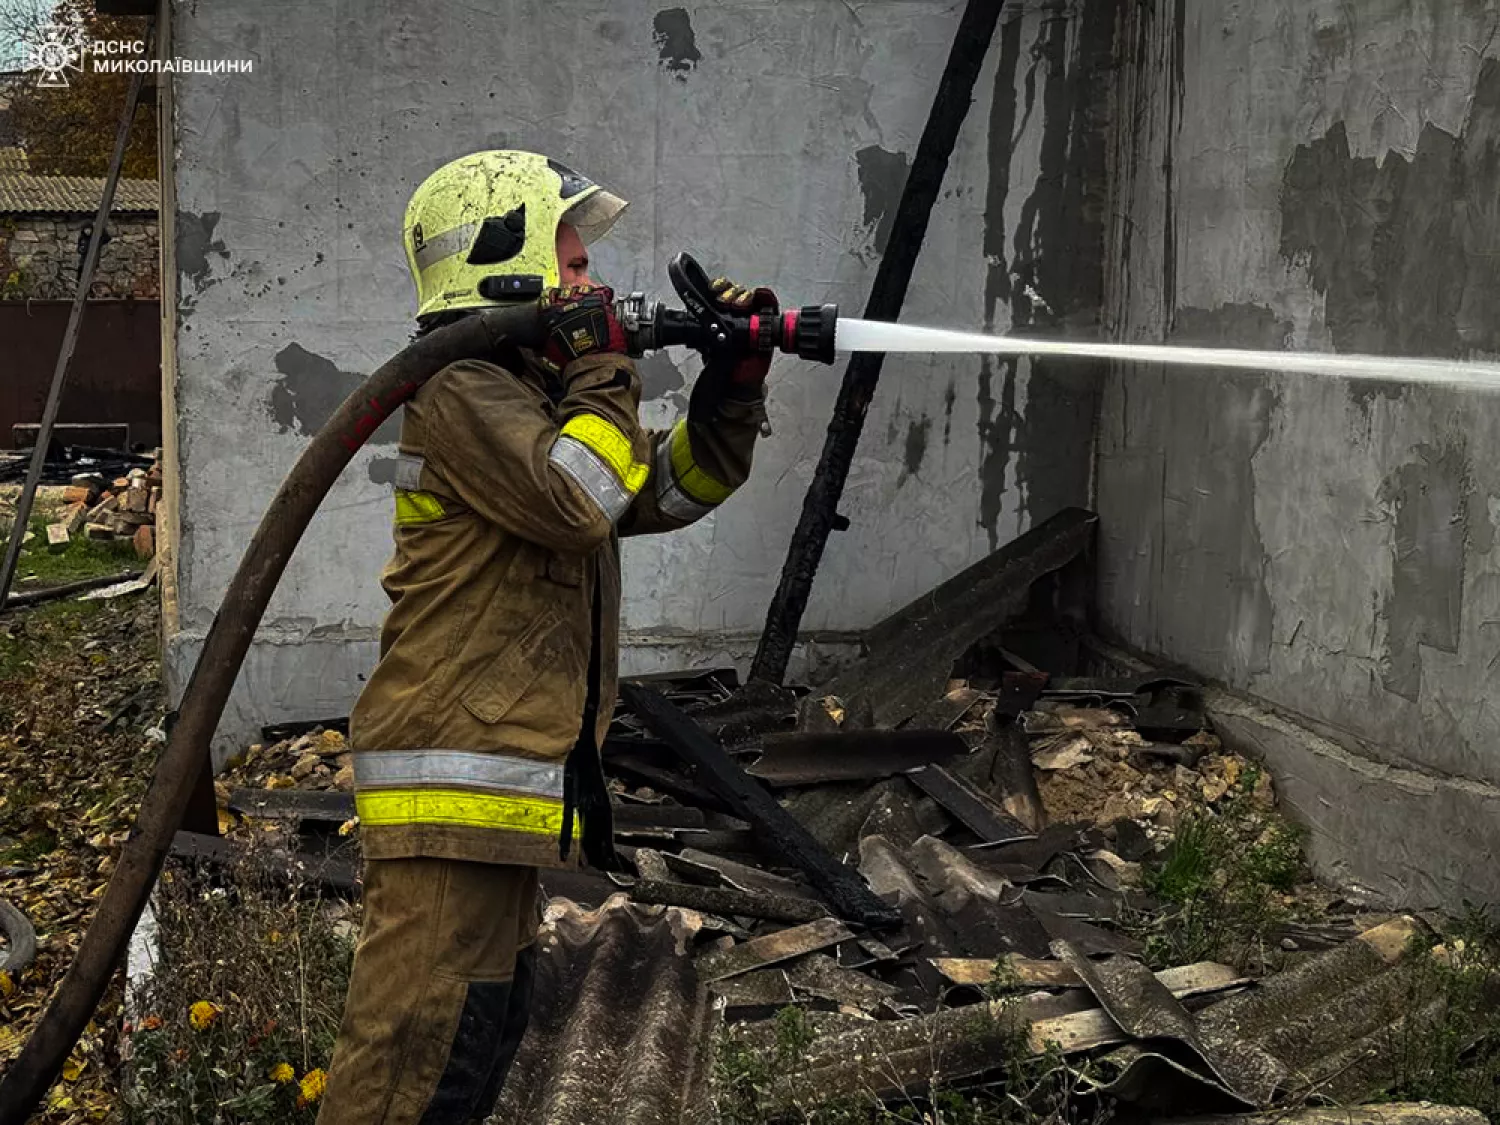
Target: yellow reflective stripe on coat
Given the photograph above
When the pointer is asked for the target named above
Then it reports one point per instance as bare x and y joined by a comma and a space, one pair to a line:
504, 812
698, 485
417, 507
611, 445
597, 456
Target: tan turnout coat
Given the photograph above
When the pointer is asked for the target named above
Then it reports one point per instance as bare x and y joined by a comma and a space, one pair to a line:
510, 498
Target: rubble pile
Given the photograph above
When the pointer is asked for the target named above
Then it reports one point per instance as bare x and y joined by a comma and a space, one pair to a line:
317, 760
1007, 861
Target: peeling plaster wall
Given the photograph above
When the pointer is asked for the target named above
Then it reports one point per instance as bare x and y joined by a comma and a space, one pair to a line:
1319, 176
771, 139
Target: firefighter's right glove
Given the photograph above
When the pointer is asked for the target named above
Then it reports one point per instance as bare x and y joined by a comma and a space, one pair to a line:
579, 320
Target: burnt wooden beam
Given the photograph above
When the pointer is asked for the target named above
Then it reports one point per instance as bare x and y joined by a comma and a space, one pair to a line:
854, 755
955, 92
843, 888
727, 900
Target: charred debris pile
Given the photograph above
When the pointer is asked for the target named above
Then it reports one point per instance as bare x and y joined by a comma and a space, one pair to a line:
991, 838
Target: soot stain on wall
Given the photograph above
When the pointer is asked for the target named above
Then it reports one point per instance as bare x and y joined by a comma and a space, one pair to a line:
1405, 250
659, 376
917, 435
310, 389
882, 176
1429, 501
677, 46
1059, 254
997, 420
1233, 325
195, 242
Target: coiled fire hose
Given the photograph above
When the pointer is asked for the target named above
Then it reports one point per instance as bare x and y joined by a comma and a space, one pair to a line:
807, 332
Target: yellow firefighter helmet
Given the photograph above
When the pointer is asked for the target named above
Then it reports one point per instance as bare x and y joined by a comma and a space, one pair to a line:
483, 229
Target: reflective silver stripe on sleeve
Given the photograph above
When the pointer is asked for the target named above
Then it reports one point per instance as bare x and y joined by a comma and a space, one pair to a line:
445, 245
671, 500
433, 769
408, 475
592, 474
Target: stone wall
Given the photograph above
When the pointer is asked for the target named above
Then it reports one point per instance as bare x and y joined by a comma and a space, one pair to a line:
39, 257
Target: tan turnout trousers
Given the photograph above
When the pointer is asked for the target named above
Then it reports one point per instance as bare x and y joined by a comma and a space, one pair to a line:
441, 988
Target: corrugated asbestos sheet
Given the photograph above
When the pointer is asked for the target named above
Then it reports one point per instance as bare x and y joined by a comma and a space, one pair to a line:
23, 192
619, 1030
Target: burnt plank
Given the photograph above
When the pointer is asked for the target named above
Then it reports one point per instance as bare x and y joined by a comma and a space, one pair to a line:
846, 891
336, 873
727, 900
331, 807
665, 781
852, 755
280, 732
771, 950
970, 807
631, 815
909, 655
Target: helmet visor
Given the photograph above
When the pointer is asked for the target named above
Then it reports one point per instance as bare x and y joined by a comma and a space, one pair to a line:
593, 215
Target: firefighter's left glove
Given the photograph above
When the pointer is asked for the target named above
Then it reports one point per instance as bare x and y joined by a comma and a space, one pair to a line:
747, 377
730, 379
577, 321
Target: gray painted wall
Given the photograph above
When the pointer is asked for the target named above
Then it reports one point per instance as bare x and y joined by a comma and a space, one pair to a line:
769, 138
1330, 184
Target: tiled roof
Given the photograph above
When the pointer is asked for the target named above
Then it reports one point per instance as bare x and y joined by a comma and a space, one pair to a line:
25, 192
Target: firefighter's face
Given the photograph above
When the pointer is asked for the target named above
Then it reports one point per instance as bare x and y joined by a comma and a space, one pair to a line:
572, 257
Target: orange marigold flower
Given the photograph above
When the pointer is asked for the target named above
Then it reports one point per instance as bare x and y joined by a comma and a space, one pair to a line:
282, 1073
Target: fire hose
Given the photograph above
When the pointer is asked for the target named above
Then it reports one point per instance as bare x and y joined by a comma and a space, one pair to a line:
806, 332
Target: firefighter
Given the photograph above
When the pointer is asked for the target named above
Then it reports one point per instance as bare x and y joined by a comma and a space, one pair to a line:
476, 738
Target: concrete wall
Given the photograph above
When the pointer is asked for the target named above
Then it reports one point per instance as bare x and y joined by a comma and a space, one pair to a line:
771, 139
1319, 176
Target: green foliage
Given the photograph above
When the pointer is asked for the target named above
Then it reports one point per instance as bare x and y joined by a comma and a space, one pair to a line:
1222, 879
767, 1084
272, 968
1455, 1061
82, 558
71, 131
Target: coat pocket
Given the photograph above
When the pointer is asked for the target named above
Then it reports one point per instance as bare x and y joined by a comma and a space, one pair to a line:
507, 677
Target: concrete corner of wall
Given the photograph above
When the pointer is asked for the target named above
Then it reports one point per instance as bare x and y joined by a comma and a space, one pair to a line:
1411, 840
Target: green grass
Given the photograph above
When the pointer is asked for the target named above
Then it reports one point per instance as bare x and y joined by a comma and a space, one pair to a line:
83, 558
1222, 882
1456, 1062
36, 634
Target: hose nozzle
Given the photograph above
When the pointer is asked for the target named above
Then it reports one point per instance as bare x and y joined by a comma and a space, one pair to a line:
807, 332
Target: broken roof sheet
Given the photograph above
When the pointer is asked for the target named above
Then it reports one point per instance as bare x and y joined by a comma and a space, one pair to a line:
23, 192
619, 1027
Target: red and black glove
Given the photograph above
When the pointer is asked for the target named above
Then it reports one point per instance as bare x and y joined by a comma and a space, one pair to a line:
726, 378
579, 320
748, 374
